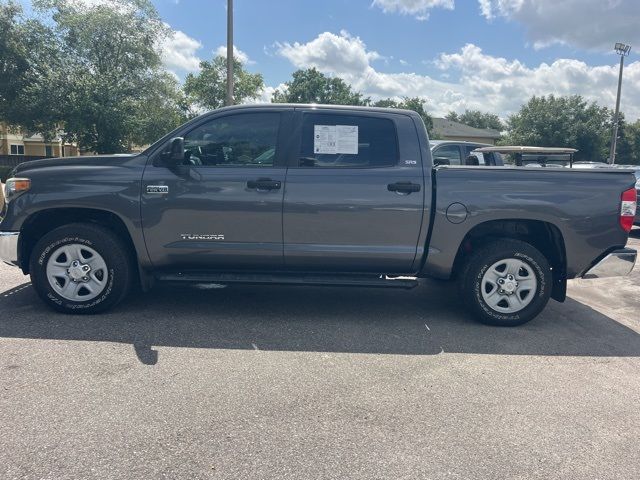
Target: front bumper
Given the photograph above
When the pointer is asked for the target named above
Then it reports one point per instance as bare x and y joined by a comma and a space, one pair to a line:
9, 247
617, 264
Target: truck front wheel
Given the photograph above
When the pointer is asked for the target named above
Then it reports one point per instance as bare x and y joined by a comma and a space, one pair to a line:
506, 283
80, 268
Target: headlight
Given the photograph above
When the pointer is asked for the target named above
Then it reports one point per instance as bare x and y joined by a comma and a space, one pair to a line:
15, 186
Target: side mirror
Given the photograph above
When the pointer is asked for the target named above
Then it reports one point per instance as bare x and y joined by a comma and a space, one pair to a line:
174, 155
441, 161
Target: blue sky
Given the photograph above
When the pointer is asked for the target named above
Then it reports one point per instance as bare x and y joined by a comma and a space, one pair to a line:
455, 54
259, 24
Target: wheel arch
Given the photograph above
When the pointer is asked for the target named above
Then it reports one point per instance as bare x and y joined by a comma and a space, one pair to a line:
544, 236
43, 221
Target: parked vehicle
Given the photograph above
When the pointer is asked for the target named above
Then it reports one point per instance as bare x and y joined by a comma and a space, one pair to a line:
447, 152
527, 156
312, 195
585, 164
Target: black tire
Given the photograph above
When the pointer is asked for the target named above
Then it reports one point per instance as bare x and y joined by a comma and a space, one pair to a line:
103, 241
478, 264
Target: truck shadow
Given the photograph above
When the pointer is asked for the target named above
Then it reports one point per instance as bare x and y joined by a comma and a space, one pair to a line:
424, 321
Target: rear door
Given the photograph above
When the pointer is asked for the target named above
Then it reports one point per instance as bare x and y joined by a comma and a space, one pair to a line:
354, 194
225, 210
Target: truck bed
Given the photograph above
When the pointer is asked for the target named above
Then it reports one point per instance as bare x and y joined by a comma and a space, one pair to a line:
582, 204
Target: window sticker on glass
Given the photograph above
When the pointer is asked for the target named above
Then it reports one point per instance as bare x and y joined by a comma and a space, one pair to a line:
335, 139
347, 139
324, 139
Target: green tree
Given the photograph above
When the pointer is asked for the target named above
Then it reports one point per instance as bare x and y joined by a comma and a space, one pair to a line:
165, 108
110, 69
409, 103
568, 121
312, 86
208, 88
477, 119
453, 116
29, 66
628, 143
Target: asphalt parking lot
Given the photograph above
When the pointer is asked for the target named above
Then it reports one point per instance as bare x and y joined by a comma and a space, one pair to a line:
292, 382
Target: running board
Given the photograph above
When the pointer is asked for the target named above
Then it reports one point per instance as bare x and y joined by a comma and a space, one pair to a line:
293, 279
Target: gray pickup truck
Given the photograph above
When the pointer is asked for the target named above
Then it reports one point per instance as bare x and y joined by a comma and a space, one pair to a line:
311, 195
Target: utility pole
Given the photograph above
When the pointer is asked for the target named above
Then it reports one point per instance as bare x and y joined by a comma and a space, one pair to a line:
622, 50
229, 52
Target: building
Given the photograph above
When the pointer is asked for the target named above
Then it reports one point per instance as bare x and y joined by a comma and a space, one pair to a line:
445, 129
14, 143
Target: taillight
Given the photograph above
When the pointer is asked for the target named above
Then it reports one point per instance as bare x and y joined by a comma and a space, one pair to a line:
628, 209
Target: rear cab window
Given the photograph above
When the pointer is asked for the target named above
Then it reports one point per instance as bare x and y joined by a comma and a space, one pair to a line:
332, 140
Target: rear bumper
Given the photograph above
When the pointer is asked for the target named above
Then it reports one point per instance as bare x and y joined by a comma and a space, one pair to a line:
9, 247
617, 264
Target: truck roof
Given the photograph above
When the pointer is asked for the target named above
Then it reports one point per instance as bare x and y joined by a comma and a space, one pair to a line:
463, 142
319, 106
523, 149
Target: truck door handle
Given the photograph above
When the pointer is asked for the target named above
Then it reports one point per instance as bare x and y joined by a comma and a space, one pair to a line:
264, 184
403, 187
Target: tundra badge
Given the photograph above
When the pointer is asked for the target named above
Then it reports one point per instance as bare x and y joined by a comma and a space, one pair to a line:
202, 236
157, 189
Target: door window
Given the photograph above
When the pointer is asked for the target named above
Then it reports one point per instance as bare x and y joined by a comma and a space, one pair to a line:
243, 140
448, 152
347, 141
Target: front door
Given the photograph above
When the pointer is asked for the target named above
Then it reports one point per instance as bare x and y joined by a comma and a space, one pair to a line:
225, 210
354, 197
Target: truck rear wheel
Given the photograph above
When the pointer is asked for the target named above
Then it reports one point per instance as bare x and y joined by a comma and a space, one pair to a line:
80, 268
506, 283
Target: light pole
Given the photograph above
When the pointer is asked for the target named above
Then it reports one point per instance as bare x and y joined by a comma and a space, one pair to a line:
229, 52
622, 50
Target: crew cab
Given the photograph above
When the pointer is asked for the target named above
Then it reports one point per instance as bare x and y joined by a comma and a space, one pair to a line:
312, 195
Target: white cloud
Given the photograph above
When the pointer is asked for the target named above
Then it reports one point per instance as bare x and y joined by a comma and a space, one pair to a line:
237, 53
266, 94
418, 8
330, 53
484, 82
589, 24
178, 52
506, 84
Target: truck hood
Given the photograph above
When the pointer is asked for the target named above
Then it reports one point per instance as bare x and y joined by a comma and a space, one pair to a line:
98, 160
